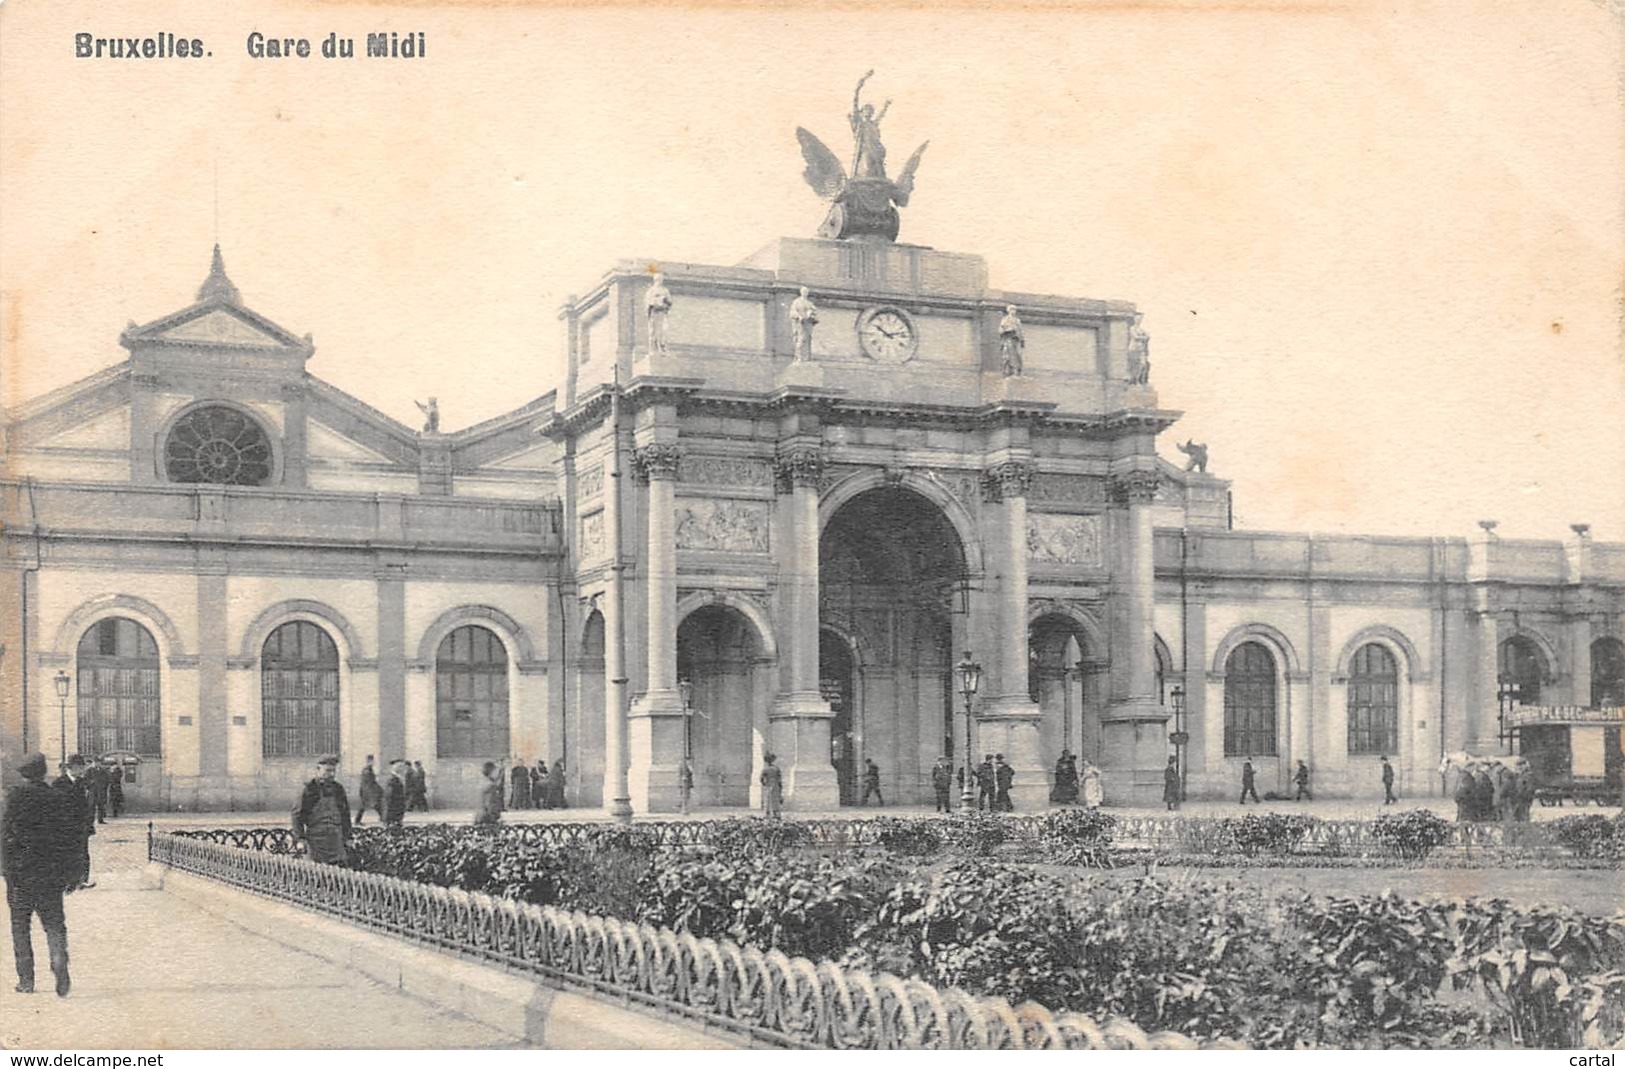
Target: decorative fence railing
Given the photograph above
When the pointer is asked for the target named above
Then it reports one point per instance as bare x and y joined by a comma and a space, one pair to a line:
1191, 835
767, 998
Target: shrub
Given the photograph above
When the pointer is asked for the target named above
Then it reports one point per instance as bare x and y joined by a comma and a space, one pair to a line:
1079, 837
1203, 835
908, 838
1276, 832
977, 834
757, 835
1591, 836
1413, 834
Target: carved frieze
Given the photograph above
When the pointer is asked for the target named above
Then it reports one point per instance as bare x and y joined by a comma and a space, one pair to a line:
1009, 479
1068, 489
658, 460
963, 485
723, 525
590, 483
724, 471
1135, 487
1053, 539
593, 547
801, 465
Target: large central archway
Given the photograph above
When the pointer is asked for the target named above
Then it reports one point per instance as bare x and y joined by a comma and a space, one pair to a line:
889, 565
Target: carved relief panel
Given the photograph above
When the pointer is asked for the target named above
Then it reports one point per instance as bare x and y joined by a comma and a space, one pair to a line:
1077, 540
723, 525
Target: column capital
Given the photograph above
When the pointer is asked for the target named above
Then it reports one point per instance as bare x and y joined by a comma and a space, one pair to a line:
1135, 487
657, 460
1007, 479
798, 466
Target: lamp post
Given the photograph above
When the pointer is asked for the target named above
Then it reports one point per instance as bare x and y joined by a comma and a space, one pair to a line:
1507, 700
1180, 738
685, 775
62, 684
970, 678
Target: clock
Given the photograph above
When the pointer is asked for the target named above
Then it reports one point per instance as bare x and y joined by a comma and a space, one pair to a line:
887, 334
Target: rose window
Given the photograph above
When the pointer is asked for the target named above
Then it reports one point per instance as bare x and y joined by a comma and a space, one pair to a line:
218, 445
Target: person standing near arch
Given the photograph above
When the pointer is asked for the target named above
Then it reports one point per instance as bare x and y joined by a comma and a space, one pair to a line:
772, 780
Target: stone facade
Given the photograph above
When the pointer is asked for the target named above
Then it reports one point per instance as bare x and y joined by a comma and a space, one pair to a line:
796, 553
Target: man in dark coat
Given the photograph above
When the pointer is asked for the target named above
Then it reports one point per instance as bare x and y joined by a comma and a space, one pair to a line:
96, 777
321, 820
1170, 784
395, 793
1387, 782
1301, 778
372, 795
1003, 778
986, 789
942, 778
1247, 784
519, 793
40, 853
74, 782
555, 786
115, 788
871, 781
417, 788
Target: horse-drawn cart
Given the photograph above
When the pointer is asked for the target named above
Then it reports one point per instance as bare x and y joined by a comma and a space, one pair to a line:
1575, 752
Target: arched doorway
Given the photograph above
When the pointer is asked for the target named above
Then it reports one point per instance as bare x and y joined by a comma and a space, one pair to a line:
584, 763
890, 567
1522, 663
299, 693
1059, 681
119, 703
720, 654
838, 683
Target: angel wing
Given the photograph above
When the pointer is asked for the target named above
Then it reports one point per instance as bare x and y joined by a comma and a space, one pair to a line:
905, 181
824, 170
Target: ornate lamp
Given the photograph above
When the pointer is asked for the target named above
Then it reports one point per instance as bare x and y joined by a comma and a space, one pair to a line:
969, 674
1180, 738
685, 776
63, 682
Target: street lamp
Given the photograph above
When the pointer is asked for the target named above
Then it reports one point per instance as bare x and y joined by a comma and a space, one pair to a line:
970, 678
1180, 738
1507, 700
63, 682
685, 776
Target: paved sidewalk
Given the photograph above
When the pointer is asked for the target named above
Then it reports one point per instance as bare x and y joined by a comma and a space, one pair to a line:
150, 971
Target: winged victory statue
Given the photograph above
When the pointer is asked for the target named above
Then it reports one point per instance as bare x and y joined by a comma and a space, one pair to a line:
864, 203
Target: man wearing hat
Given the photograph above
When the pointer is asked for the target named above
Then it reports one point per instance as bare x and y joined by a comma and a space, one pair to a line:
322, 818
395, 793
76, 784
40, 852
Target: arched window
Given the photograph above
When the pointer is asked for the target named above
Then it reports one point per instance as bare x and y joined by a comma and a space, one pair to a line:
471, 694
1249, 701
1523, 664
1373, 701
118, 689
217, 444
299, 692
1607, 673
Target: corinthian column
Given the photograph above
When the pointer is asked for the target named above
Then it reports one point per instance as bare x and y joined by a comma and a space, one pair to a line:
1134, 729
656, 721
1010, 719
799, 724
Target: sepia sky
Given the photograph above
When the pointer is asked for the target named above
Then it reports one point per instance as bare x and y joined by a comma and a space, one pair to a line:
1379, 255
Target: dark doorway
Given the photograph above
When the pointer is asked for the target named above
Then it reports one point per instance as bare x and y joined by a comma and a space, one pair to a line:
835, 680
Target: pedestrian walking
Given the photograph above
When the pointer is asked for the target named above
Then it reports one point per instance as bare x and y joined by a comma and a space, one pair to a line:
1301, 778
418, 788
490, 808
871, 781
1387, 782
1247, 786
1093, 793
519, 795
73, 783
555, 787
986, 789
1170, 784
40, 856
685, 784
115, 788
772, 779
395, 793
1004, 777
942, 778
321, 820
1065, 790
96, 775
371, 794
540, 785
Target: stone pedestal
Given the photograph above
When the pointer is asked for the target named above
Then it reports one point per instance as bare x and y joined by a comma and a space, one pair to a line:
1134, 751
798, 735
1011, 726
655, 752
801, 373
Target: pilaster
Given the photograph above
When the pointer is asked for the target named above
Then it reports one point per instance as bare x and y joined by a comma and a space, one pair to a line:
1009, 721
655, 728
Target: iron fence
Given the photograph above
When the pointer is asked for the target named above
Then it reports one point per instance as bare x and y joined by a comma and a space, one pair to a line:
766, 998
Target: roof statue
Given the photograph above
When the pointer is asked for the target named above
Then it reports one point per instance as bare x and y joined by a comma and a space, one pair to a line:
865, 202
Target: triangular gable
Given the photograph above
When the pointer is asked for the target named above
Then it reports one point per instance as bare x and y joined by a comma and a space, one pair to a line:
324, 443
221, 327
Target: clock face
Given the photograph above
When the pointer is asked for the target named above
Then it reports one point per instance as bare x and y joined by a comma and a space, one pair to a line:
887, 334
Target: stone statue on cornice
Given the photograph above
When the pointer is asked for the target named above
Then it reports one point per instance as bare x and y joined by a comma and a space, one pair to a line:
803, 317
1012, 340
431, 415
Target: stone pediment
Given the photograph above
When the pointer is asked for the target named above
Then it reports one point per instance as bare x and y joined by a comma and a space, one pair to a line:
221, 327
